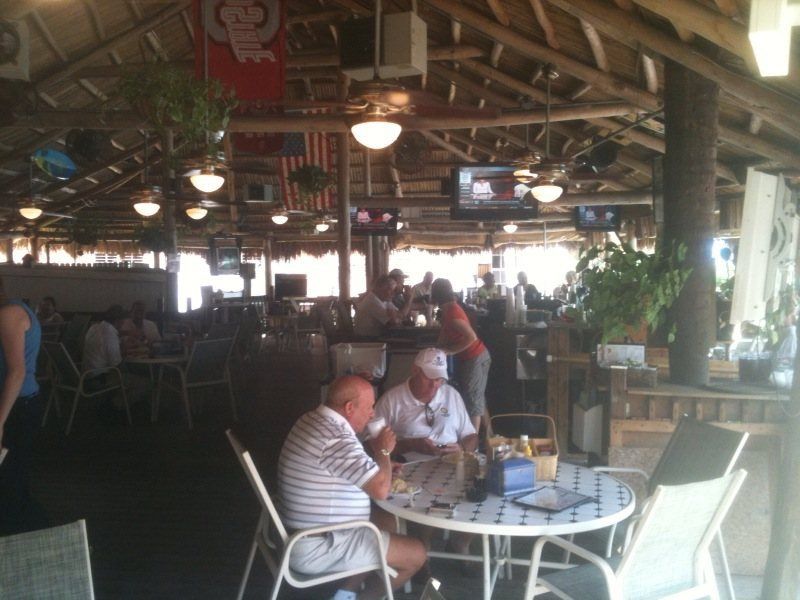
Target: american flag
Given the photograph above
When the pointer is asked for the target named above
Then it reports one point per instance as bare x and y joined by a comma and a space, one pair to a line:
301, 149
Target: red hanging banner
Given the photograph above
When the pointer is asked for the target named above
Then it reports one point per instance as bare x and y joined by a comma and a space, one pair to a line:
246, 51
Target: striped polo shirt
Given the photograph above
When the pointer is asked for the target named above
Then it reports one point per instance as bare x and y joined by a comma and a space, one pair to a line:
321, 471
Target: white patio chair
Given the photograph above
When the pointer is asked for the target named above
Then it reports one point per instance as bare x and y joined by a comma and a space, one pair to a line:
275, 543
696, 451
49, 563
80, 385
208, 365
666, 553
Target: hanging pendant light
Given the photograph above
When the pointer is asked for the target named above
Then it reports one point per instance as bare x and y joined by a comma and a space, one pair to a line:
196, 211
374, 131
207, 180
322, 227
146, 199
510, 227
549, 171
29, 210
280, 219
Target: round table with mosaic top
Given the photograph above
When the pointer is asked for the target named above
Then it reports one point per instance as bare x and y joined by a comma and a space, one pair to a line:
613, 501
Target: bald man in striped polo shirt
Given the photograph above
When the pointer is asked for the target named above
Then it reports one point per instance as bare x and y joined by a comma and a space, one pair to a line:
325, 476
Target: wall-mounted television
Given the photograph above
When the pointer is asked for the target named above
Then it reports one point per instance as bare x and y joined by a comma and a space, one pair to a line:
597, 218
290, 285
373, 221
490, 192
224, 256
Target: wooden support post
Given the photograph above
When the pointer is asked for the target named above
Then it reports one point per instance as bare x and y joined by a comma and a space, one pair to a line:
689, 176
268, 267
343, 213
10, 251
171, 300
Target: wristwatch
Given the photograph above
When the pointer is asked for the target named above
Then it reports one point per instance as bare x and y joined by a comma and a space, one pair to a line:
385, 452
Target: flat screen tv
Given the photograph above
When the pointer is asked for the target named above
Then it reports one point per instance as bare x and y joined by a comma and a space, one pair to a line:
225, 256
373, 221
597, 218
489, 192
288, 285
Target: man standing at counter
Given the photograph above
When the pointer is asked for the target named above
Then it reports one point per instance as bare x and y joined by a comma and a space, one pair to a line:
472, 360
488, 289
376, 311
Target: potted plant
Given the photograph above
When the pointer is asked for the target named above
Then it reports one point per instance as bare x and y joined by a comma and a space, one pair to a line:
310, 180
171, 97
153, 238
627, 288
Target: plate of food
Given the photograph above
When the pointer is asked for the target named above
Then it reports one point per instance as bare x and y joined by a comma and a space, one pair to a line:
400, 487
469, 457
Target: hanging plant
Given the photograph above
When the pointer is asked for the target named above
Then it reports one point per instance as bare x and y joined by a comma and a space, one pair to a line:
171, 97
310, 180
153, 238
85, 233
626, 287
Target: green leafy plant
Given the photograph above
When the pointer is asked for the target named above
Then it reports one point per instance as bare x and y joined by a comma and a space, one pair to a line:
311, 180
85, 232
627, 287
171, 97
153, 238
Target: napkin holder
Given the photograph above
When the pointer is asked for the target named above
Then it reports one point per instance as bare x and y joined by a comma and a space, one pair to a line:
512, 476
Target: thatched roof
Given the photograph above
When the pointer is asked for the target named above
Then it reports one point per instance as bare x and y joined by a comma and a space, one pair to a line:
609, 56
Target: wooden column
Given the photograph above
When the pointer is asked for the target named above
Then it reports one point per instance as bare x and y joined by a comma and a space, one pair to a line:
35, 248
171, 301
10, 251
691, 107
370, 262
268, 266
343, 213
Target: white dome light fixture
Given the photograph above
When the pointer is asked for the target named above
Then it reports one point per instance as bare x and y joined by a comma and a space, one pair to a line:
547, 191
510, 227
280, 219
322, 227
196, 212
400, 225
375, 132
146, 208
207, 180
30, 212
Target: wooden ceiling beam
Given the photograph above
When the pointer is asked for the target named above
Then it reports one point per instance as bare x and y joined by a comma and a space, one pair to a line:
617, 198
609, 83
771, 105
544, 22
322, 123
707, 23
60, 73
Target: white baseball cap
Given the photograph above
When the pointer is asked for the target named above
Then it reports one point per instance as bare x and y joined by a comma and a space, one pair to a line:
433, 363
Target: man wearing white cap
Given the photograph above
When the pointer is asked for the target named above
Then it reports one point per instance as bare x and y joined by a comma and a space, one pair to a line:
426, 413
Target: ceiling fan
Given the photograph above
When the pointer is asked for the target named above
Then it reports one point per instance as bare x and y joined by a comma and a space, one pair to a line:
549, 175
32, 205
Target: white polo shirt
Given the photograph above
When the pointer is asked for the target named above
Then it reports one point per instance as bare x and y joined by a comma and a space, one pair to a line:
406, 415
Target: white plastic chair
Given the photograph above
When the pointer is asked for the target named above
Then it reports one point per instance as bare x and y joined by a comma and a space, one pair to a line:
208, 365
666, 553
48, 563
696, 451
68, 378
275, 543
